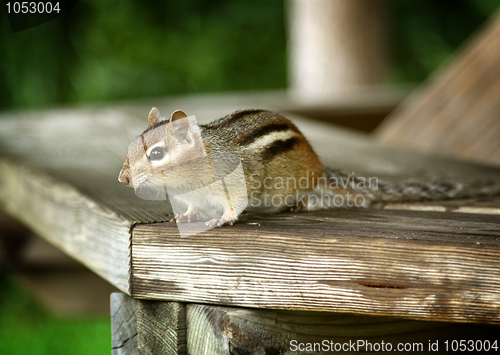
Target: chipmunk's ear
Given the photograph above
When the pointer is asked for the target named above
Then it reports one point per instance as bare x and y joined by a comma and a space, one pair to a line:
154, 117
176, 115
180, 122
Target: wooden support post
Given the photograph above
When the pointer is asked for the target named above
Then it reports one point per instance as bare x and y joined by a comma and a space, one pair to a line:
336, 45
147, 327
123, 324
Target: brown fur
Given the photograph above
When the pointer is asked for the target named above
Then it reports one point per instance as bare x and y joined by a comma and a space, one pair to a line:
240, 134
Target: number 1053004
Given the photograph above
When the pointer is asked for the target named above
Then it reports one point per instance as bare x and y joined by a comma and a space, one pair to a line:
32, 7
471, 345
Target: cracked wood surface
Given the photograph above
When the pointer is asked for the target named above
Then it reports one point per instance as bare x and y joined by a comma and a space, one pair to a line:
123, 324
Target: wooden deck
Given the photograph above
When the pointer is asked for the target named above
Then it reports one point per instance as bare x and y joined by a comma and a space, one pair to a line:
432, 261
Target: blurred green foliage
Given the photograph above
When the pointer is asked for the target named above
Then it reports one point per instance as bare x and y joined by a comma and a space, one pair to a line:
109, 50
425, 33
26, 328
122, 49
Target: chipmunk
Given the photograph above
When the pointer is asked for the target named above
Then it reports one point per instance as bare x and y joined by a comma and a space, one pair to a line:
198, 165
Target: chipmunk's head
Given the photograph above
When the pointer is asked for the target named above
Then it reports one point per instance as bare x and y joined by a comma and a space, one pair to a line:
156, 157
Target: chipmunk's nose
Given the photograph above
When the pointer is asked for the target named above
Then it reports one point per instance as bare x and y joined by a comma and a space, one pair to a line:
124, 177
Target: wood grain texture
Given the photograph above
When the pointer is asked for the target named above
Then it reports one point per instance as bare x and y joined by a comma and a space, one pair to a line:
421, 265
226, 330
483, 205
161, 328
123, 324
69, 219
147, 327
457, 111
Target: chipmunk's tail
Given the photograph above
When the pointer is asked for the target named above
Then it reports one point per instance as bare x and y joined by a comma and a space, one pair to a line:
380, 191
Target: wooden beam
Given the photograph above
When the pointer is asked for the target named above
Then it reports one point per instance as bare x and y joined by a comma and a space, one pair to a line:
227, 330
420, 265
457, 111
147, 327
69, 219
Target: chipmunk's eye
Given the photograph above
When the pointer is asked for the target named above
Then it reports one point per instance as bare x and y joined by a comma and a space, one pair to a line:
157, 153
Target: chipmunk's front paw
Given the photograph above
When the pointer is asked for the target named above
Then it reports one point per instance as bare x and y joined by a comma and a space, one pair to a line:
219, 222
299, 205
185, 218
176, 218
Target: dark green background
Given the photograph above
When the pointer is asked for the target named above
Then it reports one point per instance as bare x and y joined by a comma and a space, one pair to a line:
107, 50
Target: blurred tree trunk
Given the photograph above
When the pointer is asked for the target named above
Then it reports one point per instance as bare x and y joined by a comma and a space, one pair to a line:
336, 45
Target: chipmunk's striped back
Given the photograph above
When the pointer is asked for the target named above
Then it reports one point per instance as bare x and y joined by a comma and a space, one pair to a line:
261, 132
272, 150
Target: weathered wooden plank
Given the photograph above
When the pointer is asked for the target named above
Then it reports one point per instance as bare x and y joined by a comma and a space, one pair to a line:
161, 328
457, 112
225, 330
69, 219
147, 327
123, 324
484, 205
420, 265
59, 177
